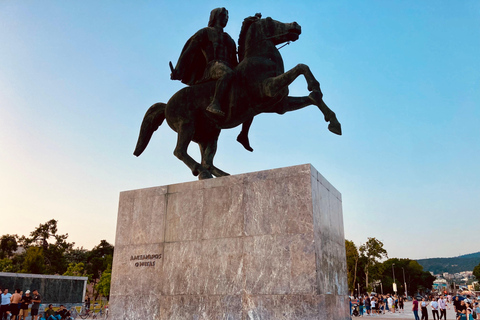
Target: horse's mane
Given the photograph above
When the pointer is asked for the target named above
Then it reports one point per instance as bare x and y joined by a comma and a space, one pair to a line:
243, 34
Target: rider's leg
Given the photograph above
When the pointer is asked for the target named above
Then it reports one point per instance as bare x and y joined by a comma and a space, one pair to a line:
221, 88
243, 135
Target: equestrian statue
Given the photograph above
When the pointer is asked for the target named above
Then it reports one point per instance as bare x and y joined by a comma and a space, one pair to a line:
225, 91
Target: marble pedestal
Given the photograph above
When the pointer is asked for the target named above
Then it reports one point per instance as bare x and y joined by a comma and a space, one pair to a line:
262, 245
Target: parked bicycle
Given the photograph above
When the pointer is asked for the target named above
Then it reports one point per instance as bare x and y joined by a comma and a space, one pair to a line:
73, 313
95, 313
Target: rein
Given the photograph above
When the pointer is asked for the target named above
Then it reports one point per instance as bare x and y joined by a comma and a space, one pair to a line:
268, 38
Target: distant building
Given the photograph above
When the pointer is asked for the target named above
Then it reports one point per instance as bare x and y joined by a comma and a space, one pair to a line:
440, 284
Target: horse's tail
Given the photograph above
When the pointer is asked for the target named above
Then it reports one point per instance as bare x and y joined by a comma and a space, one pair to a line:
153, 119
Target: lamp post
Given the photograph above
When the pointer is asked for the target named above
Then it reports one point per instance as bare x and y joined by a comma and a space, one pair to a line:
405, 282
394, 284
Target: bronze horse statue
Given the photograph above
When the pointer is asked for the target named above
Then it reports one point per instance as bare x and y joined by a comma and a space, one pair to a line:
260, 84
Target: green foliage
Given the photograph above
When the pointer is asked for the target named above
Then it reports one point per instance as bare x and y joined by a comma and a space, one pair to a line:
476, 272
415, 277
77, 270
47, 252
352, 263
6, 265
8, 245
103, 285
34, 261
372, 251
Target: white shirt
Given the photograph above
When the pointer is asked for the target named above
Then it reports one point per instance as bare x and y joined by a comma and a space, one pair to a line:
390, 301
434, 305
442, 304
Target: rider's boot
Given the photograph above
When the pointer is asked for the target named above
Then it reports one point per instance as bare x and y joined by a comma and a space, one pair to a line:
243, 136
243, 139
215, 108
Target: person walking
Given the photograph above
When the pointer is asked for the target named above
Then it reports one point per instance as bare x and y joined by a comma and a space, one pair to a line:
415, 308
5, 306
442, 305
434, 306
424, 305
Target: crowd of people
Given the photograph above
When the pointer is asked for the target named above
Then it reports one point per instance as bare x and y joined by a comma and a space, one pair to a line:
370, 305
15, 307
466, 308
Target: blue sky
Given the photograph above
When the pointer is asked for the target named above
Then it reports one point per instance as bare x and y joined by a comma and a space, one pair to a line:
76, 78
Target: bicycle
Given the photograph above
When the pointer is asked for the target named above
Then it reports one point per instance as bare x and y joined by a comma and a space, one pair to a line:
73, 312
84, 313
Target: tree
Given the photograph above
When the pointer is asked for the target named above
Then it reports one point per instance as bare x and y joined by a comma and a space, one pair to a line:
99, 259
53, 251
6, 265
34, 261
77, 270
476, 272
8, 245
352, 263
103, 285
372, 251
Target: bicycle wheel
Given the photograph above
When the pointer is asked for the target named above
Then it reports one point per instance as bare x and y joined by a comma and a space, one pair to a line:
73, 313
83, 314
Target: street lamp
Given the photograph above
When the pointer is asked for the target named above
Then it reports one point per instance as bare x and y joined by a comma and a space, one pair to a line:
394, 284
405, 282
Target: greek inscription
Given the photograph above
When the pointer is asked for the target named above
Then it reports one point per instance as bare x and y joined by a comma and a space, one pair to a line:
150, 257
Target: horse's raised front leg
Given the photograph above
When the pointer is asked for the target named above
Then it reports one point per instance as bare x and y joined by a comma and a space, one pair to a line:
296, 103
185, 134
208, 150
272, 86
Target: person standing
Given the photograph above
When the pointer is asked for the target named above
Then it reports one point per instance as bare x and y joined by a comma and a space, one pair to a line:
5, 306
424, 305
415, 308
14, 301
368, 305
24, 303
434, 306
400, 304
36, 299
442, 305
389, 303
360, 306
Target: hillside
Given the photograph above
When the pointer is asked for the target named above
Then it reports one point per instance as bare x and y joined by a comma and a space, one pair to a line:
451, 265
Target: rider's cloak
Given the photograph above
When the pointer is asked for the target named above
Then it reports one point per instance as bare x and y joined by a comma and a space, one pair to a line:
197, 53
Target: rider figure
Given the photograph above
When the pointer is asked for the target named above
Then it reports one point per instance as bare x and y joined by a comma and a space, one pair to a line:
210, 54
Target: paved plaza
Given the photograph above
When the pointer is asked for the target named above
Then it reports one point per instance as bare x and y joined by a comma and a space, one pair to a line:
407, 313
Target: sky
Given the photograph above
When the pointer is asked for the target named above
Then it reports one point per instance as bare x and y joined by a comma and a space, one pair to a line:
76, 78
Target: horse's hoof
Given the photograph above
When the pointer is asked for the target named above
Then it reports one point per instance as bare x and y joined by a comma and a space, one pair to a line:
205, 175
335, 127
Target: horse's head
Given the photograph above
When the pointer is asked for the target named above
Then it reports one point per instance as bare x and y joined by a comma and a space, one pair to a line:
257, 31
276, 31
